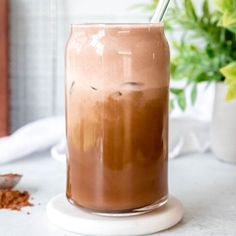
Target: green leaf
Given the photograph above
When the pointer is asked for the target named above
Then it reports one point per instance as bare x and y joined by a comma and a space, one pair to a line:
201, 77
231, 92
227, 8
172, 68
229, 72
194, 94
209, 51
223, 5
205, 8
190, 11
176, 91
181, 100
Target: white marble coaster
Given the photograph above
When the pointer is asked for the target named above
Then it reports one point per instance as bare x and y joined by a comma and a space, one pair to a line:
68, 217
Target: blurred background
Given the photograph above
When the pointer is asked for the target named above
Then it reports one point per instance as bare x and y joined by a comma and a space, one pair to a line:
38, 34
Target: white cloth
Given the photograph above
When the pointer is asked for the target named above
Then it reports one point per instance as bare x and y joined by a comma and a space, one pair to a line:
36, 136
186, 135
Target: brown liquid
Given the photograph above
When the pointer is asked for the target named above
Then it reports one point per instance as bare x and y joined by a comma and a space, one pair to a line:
117, 135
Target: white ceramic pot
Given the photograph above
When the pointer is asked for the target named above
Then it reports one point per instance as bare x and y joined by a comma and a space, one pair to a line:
223, 126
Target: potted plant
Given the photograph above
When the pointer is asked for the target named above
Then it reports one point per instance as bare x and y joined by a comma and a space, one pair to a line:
204, 53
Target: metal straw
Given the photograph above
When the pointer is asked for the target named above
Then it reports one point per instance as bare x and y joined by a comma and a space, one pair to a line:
160, 11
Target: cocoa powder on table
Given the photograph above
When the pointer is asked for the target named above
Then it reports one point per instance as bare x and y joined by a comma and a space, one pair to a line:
14, 199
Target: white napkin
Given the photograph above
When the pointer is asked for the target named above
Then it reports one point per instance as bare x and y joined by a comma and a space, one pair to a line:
187, 136
36, 136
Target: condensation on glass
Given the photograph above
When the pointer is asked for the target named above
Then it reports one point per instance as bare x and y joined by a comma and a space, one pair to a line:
117, 81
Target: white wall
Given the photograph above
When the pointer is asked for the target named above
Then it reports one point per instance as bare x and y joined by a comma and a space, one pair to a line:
98, 7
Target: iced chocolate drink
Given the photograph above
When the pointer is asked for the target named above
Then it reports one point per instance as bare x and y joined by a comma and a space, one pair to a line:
117, 79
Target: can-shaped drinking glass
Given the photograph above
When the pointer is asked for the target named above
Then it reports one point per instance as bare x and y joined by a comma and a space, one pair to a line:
117, 89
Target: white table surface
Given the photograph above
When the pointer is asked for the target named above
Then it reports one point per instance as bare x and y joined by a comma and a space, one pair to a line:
206, 187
